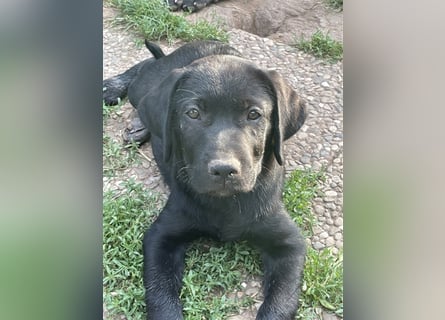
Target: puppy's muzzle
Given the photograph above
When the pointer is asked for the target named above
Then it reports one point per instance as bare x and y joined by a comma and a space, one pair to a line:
224, 169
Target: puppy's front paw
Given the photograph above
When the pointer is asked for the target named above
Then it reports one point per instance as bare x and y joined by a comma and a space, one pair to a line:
136, 133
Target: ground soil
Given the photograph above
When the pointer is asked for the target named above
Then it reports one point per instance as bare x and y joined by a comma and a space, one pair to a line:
284, 21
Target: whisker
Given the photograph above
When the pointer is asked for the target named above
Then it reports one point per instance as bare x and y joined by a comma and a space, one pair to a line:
182, 174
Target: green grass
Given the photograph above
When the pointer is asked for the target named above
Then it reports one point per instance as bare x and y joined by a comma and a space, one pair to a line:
153, 20
335, 4
323, 273
322, 284
322, 46
125, 218
213, 274
116, 156
299, 190
108, 111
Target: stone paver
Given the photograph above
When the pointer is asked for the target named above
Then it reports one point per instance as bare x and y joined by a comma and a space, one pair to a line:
318, 145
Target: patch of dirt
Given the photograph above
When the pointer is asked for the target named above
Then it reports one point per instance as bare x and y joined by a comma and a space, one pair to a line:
284, 21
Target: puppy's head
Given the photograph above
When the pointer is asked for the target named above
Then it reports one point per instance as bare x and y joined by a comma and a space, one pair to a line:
222, 118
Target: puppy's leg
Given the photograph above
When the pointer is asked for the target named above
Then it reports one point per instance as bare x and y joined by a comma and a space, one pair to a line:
283, 251
136, 133
164, 250
115, 88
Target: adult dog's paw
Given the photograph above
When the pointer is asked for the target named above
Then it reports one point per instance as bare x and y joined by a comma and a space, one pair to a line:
174, 4
195, 5
189, 5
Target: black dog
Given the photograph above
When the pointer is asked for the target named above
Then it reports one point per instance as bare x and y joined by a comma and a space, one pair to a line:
217, 125
189, 5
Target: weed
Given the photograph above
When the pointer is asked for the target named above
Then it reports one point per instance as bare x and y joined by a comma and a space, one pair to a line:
335, 4
125, 218
213, 274
322, 46
323, 271
107, 111
153, 20
116, 156
300, 189
322, 284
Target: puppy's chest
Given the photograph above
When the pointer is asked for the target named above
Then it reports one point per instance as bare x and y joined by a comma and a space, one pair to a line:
226, 224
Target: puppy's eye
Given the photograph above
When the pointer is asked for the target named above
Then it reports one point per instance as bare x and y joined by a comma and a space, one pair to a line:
253, 115
193, 113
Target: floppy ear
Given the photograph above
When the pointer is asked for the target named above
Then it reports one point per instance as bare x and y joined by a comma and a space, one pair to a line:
157, 111
288, 115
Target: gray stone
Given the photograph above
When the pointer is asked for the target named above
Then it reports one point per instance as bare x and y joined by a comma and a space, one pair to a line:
305, 160
328, 316
317, 230
237, 317
318, 245
330, 242
338, 222
324, 235
338, 236
316, 166
339, 244
326, 99
330, 206
252, 292
336, 179
331, 193
333, 230
319, 209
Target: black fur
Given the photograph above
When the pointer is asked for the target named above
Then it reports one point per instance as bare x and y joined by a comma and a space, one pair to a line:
217, 123
189, 5
155, 50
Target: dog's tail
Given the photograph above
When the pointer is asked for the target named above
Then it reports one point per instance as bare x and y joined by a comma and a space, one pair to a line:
155, 50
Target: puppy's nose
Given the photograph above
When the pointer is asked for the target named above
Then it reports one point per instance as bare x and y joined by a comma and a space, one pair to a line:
223, 169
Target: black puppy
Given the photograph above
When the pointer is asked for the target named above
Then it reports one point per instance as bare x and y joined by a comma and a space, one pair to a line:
218, 123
